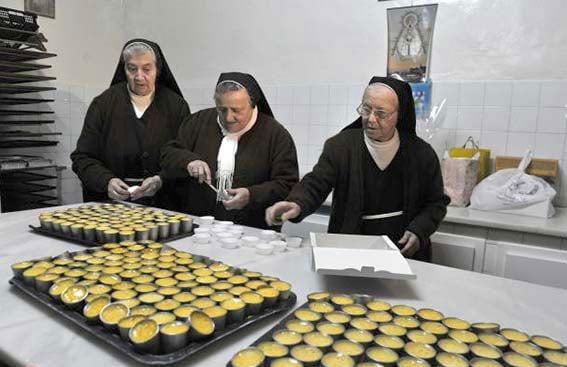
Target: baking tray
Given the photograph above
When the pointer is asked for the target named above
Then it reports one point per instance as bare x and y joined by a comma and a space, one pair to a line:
79, 241
114, 340
280, 325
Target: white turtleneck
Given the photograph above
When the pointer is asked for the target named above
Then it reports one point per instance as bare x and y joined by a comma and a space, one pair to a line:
383, 152
140, 103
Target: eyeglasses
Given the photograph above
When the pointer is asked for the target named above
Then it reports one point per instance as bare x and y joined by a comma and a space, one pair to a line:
366, 111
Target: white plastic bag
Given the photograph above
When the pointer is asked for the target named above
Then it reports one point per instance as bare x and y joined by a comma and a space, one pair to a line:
459, 177
511, 188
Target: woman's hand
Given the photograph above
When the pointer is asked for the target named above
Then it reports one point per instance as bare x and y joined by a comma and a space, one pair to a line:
281, 212
199, 170
117, 189
149, 187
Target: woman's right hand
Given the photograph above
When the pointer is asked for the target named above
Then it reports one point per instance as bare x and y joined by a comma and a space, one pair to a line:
117, 189
281, 212
199, 170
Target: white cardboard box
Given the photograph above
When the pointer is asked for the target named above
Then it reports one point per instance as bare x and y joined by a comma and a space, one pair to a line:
358, 256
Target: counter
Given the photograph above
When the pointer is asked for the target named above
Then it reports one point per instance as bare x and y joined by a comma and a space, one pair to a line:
33, 335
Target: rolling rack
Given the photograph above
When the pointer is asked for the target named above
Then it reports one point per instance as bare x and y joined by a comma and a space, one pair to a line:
26, 181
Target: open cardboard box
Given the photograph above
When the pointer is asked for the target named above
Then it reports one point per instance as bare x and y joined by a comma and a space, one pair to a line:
358, 256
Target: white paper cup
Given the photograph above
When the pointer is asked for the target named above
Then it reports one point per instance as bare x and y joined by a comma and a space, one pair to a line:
279, 246
294, 242
202, 230
201, 238
268, 235
264, 249
250, 241
230, 243
207, 220
223, 236
227, 223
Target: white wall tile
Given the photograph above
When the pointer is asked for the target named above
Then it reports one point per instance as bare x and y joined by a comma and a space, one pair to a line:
76, 93
338, 94
442, 140
554, 93
471, 94
451, 118
551, 120
284, 95
525, 93
318, 114
314, 153
320, 95
495, 141
283, 113
469, 118
299, 133
495, 118
333, 130
518, 143
336, 115
301, 114
497, 93
271, 94
193, 96
301, 95
317, 134
549, 145
355, 93
351, 114
448, 90
523, 119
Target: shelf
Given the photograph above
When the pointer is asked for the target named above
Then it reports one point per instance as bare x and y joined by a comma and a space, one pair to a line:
27, 122
8, 101
16, 67
23, 143
25, 134
26, 174
18, 89
21, 187
11, 54
17, 43
12, 78
23, 112
21, 32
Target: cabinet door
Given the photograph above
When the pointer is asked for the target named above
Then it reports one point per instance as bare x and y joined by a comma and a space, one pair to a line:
530, 263
458, 251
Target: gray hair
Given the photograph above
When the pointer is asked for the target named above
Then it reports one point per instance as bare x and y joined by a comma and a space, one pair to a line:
137, 48
231, 86
380, 86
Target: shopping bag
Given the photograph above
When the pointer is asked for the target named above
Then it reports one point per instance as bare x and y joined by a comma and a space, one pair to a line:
513, 188
459, 177
484, 156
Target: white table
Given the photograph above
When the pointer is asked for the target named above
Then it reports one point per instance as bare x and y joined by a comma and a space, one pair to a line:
30, 334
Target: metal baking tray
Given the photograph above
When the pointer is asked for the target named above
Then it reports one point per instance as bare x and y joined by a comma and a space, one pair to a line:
268, 335
79, 241
114, 340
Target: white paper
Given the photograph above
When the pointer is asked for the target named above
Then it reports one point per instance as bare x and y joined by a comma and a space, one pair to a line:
358, 255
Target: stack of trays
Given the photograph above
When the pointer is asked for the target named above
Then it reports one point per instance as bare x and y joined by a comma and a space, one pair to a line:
154, 303
338, 330
102, 223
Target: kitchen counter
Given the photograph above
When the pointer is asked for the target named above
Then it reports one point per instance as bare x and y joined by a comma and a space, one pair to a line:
32, 335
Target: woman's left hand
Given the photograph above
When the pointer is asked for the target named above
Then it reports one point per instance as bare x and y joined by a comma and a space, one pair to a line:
149, 187
410, 244
240, 198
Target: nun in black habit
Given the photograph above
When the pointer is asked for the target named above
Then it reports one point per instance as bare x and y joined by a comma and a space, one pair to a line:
238, 148
385, 179
117, 153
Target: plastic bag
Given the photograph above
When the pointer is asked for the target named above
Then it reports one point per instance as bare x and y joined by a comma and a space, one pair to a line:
459, 177
511, 188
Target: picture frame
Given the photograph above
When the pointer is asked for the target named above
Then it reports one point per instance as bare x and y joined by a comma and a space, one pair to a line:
44, 8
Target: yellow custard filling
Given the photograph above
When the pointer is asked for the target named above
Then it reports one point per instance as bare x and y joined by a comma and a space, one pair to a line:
175, 328
144, 331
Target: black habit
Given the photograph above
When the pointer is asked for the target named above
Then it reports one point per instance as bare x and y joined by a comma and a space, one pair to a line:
344, 167
114, 142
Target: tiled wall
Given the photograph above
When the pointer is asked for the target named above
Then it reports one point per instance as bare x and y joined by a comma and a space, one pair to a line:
505, 116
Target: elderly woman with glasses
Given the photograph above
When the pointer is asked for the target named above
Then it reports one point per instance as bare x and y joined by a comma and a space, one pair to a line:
117, 153
385, 179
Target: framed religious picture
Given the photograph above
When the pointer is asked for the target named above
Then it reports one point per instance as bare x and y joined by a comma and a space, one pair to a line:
45, 8
410, 34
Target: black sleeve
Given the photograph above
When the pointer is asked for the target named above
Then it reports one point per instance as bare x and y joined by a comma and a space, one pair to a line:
434, 206
284, 173
87, 156
315, 186
182, 115
176, 154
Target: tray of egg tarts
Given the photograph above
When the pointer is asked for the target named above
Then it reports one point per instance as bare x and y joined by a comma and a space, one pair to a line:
95, 224
149, 301
340, 330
